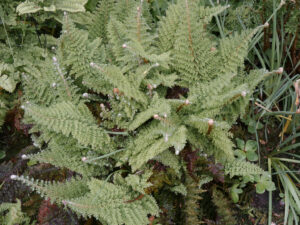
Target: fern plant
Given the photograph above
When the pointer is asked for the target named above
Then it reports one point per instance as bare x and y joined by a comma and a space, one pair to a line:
104, 110
13, 214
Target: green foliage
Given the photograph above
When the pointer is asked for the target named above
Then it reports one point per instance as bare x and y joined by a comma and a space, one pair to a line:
242, 168
51, 6
191, 201
246, 150
100, 103
14, 214
224, 208
109, 203
56, 191
71, 120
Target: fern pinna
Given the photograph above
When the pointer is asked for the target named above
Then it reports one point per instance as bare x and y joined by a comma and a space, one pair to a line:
104, 110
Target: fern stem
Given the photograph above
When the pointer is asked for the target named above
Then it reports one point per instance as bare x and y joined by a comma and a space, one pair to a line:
270, 194
117, 133
3, 22
62, 77
139, 23
189, 27
102, 156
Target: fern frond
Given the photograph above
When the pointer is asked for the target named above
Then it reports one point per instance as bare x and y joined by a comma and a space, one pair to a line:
77, 49
223, 208
28, 7
56, 191
115, 77
100, 19
157, 106
242, 168
48, 84
155, 147
69, 119
68, 154
71, 5
234, 49
113, 204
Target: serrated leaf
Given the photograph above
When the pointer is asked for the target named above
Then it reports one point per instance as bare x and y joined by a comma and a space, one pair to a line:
51, 8
27, 7
7, 83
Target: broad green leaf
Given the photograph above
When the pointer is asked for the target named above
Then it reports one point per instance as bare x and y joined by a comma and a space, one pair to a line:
252, 156
260, 188
241, 155
251, 145
234, 193
240, 144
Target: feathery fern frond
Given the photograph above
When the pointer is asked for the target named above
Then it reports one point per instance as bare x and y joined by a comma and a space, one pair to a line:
70, 119
223, 208
68, 154
241, 168
56, 191
100, 19
113, 204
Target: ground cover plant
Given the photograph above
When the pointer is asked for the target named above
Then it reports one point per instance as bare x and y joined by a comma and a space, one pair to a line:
147, 112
